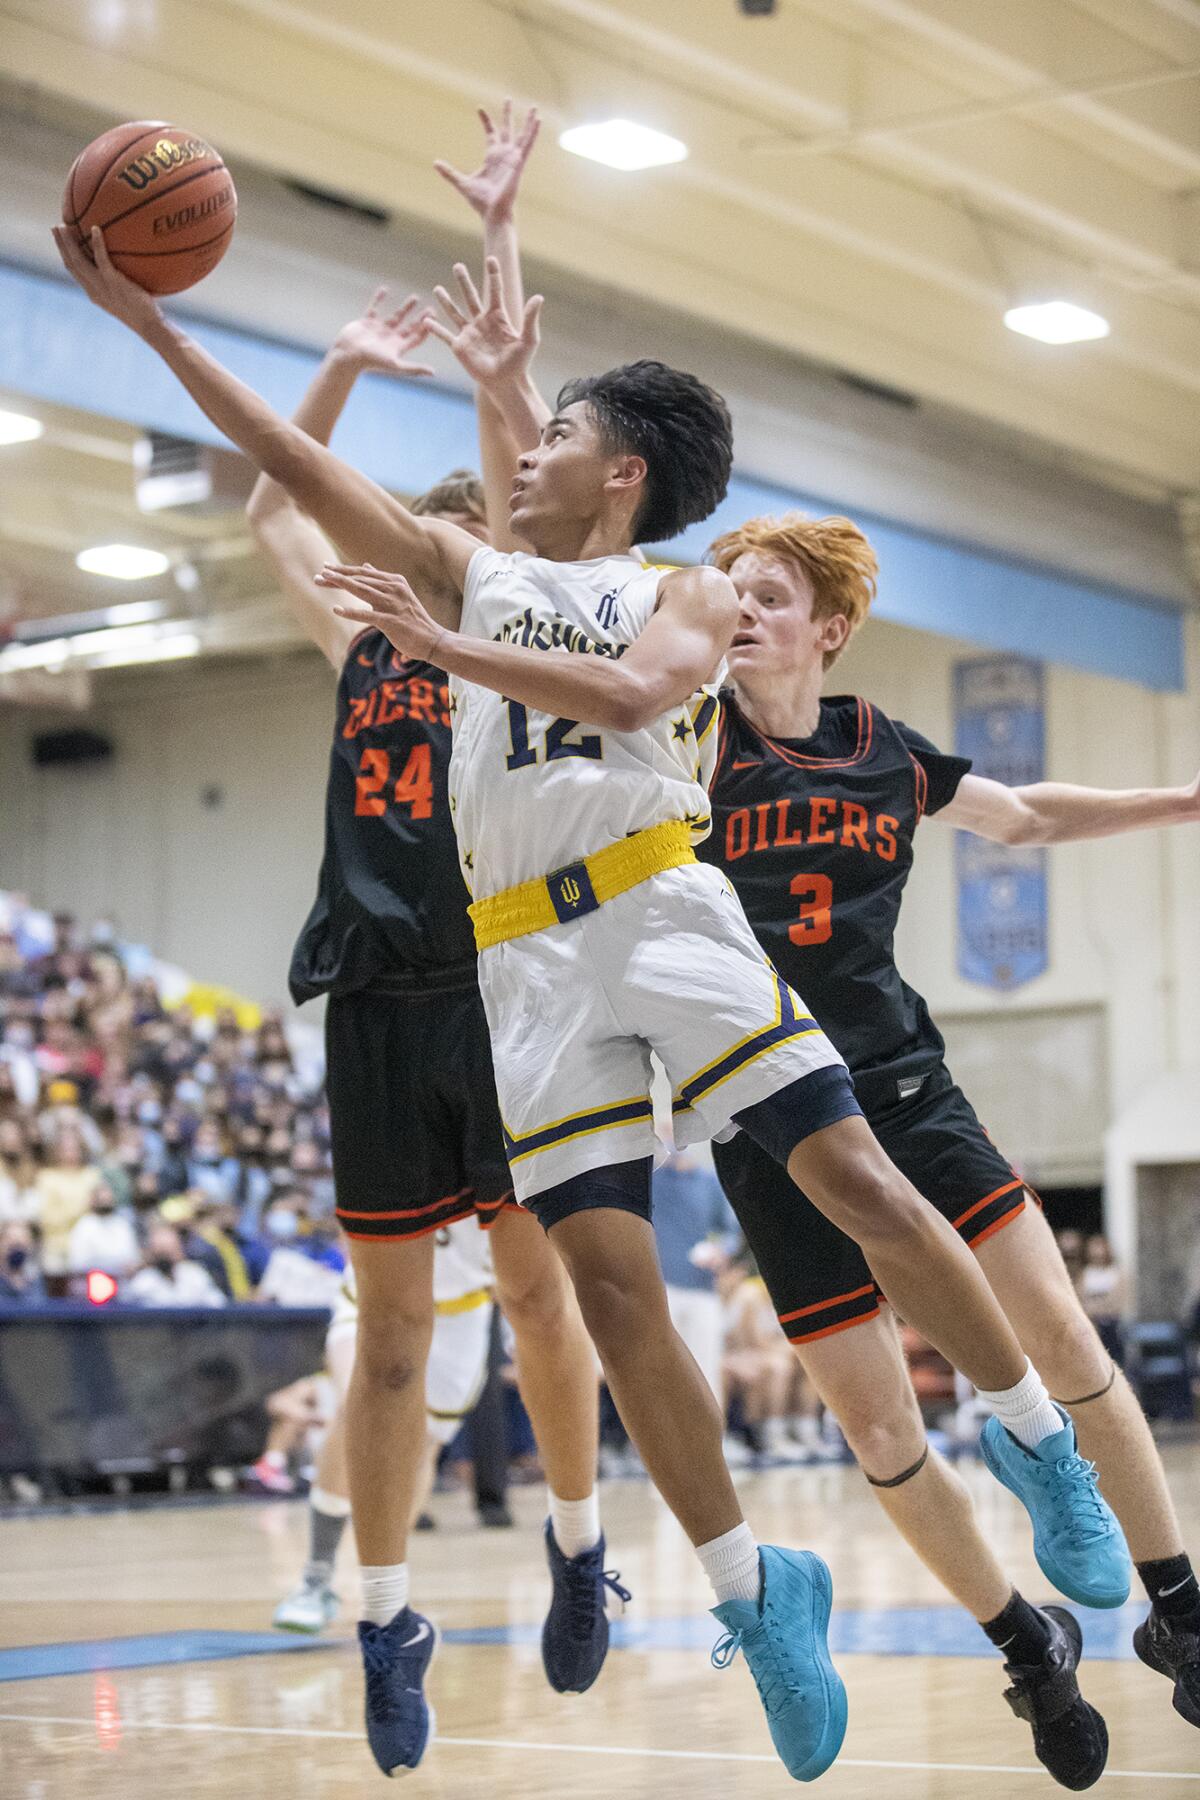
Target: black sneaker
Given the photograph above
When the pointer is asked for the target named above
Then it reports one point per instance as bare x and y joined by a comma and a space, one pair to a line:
1172, 1646
575, 1634
1070, 1739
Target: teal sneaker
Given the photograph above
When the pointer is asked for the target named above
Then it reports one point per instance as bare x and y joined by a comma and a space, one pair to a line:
1076, 1539
784, 1639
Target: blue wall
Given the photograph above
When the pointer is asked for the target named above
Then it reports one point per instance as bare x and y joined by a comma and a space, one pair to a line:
55, 346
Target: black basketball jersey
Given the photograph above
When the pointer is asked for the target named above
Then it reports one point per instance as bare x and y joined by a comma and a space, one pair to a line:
391, 906
816, 836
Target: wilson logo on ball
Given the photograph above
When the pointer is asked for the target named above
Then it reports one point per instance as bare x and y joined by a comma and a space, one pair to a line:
161, 158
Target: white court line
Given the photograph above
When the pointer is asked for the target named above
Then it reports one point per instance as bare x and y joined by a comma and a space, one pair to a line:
474, 1743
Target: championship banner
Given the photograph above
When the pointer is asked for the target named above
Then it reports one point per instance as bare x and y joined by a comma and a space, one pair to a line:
1000, 723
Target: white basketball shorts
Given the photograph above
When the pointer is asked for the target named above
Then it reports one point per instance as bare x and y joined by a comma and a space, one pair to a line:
574, 1011
454, 1374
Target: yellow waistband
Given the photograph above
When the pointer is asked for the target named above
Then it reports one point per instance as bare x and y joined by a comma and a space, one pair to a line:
583, 886
463, 1303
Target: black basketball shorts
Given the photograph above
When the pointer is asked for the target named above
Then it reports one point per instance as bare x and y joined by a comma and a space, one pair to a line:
817, 1277
417, 1141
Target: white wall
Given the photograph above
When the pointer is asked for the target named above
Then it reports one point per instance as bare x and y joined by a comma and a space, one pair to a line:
222, 890
1124, 912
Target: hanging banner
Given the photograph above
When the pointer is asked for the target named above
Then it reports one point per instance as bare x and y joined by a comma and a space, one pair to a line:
1000, 723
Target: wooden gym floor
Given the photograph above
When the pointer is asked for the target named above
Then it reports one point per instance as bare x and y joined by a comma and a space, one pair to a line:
136, 1663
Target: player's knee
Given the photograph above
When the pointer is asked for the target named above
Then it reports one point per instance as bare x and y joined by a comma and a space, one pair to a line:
613, 1315
537, 1309
393, 1346
1065, 1349
885, 1211
883, 1443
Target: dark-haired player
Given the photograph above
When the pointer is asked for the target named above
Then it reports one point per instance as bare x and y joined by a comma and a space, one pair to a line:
583, 738
815, 805
417, 1141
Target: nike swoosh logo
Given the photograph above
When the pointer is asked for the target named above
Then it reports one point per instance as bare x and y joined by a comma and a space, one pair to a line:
1163, 1592
422, 1632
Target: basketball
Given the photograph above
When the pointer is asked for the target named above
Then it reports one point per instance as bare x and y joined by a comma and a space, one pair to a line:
163, 198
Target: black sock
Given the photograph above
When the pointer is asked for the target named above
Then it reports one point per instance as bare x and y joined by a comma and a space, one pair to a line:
1020, 1631
1171, 1585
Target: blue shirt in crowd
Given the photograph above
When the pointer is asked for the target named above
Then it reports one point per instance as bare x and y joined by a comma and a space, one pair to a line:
688, 1207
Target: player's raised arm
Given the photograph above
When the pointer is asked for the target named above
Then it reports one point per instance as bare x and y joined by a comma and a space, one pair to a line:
678, 651
491, 192
382, 340
1053, 812
355, 512
495, 351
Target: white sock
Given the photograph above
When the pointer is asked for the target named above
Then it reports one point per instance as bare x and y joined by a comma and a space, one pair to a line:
575, 1523
1026, 1410
731, 1564
384, 1591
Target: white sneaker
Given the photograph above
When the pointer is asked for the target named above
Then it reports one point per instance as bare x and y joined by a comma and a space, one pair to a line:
310, 1609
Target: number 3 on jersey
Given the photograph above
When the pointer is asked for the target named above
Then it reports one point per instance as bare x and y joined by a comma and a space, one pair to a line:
524, 753
815, 923
414, 784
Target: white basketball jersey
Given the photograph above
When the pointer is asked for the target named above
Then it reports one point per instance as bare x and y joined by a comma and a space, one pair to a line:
530, 792
462, 1263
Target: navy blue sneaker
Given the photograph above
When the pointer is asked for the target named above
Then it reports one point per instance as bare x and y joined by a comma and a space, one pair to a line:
575, 1635
396, 1657
783, 1636
1077, 1541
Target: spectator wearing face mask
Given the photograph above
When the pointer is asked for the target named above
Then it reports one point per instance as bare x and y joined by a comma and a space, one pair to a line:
21, 1281
167, 1277
300, 1271
210, 1168
104, 1238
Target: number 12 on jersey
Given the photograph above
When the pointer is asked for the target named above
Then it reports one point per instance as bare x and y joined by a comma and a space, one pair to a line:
556, 743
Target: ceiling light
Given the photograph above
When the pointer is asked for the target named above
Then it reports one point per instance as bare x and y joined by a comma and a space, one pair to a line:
1056, 322
622, 144
123, 562
19, 428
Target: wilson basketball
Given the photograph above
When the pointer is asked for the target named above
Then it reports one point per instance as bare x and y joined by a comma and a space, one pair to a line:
163, 198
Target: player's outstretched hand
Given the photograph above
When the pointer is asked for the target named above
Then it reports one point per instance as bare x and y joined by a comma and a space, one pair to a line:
383, 340
103, 284
493, 351
387, 602
492, 189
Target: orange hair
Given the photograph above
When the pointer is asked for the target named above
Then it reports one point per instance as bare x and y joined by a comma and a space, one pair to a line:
832, 553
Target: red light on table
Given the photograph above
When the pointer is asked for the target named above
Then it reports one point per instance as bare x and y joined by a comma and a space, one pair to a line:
101, 1288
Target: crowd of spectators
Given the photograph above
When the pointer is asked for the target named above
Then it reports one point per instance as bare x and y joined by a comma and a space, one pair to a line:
179, 1152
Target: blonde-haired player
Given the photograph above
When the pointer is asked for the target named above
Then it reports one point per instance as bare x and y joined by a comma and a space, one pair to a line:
816, 802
